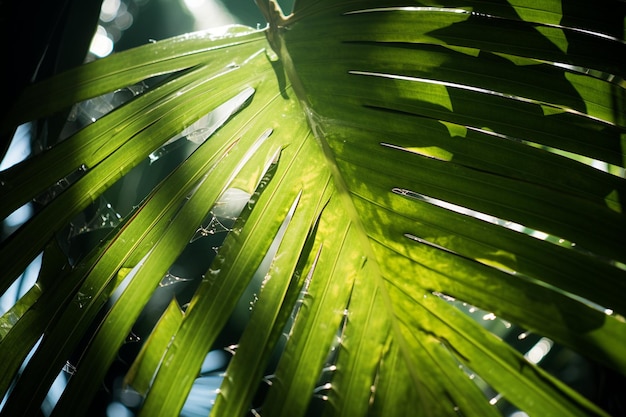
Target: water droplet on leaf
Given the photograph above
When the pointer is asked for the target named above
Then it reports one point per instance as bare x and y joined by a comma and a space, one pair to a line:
255, 298
171, 279
132, 338
489, 316
495, 399
82, 299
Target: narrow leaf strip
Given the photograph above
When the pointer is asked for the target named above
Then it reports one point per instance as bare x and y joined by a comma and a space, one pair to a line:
143, 369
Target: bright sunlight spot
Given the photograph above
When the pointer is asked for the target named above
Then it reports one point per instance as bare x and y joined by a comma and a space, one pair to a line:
101, 44
194, 4
539, 351
19, 148
109, 10
19, 216
209, 13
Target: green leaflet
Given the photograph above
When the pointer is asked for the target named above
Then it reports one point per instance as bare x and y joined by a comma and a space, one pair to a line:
142, 371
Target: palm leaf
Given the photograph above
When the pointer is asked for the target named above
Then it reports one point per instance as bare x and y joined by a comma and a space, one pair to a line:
394, 157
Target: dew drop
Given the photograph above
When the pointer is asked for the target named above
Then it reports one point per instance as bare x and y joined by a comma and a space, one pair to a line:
495, 399
171, 279
331, 368
489, 316
445, 297
132, 338
255, 298
82, 299
324, 387
523, 336
266, 279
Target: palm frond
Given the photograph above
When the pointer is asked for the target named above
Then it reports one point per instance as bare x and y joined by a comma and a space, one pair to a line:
393, 161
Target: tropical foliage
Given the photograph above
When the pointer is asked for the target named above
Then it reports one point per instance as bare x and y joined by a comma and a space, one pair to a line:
353, 175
